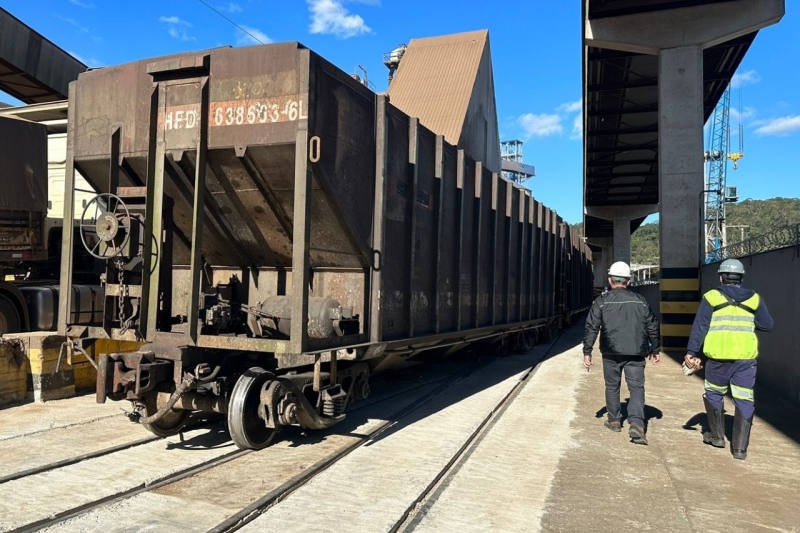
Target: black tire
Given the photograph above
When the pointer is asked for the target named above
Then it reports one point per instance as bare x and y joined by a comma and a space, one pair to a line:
10, 321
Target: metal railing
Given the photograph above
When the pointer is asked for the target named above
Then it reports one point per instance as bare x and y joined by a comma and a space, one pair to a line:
777, 238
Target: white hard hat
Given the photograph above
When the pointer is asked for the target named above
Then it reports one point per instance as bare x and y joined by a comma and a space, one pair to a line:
620, 269
731, 266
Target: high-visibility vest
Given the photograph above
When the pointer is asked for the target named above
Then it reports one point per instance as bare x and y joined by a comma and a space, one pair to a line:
732, 332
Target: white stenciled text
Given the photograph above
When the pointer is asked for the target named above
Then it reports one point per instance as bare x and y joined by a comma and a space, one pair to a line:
177, 120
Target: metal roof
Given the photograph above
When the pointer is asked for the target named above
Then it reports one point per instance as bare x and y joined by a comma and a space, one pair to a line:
435, 80
32, 68
621, 102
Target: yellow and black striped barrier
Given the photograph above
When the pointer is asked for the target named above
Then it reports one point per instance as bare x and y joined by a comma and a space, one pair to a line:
680, 298
43, 374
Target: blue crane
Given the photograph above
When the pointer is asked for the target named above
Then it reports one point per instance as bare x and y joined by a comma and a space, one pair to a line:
717, 193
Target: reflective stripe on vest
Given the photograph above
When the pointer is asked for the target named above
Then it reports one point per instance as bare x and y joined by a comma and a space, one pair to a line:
731, 333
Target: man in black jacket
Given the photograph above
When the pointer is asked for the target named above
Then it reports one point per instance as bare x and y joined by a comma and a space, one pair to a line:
628, 335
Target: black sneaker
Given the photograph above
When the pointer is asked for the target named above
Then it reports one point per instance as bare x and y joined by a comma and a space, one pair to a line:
613, 425
636, 434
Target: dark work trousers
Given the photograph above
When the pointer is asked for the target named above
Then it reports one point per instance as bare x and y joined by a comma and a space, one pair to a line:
740, 375
633, 366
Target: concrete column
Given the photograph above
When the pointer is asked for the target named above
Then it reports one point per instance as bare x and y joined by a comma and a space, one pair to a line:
679, 36
621, 217
601, 261
680, 154
622, 239
680, 163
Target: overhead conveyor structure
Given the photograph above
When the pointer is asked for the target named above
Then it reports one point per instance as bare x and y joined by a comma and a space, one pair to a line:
653, 72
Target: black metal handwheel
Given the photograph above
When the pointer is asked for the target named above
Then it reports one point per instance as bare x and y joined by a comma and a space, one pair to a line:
107, 220
246, 418
169, 424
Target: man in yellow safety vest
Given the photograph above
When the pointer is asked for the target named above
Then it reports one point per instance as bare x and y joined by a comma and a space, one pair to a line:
725, 327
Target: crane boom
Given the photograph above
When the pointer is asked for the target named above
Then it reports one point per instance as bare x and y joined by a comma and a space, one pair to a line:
717, 157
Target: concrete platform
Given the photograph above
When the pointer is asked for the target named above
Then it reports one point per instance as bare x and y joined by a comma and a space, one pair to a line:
550, 465
546, 463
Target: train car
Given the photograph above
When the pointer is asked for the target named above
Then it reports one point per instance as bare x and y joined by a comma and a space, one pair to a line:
274, 232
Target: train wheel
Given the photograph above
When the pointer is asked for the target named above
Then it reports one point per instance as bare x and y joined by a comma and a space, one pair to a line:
9, 317
169, 424
246, 422
524, 342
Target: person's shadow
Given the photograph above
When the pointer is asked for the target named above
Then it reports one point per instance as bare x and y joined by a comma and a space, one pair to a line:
701, 419
650, 412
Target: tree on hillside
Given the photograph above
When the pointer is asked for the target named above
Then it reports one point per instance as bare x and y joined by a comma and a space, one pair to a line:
762, 216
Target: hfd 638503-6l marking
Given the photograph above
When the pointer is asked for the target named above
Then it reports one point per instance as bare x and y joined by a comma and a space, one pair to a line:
236, 113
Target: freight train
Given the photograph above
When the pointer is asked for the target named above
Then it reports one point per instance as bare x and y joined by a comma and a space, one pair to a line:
274, 232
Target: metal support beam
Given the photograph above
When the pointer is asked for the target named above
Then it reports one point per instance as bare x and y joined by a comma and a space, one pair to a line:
65, 291
619, 112
495, 255
460, 206
198, 213
413, 164
373, 327
154, 201
301, 242
439, 195
476, 248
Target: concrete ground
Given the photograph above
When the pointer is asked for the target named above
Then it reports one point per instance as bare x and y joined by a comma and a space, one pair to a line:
550, 465
546, 463
676, 483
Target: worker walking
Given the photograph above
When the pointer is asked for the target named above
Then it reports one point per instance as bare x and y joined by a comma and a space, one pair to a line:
628, 336
724, 328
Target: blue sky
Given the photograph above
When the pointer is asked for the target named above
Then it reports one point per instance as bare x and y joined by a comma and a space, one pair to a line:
536, 48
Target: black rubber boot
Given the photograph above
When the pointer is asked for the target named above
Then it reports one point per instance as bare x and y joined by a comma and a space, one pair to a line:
715, 435
741, 435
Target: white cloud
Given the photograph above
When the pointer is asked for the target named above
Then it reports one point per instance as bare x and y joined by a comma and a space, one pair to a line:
76, 24
780, 126
749, 77
177, 28
547, 124
745, 115
175, 20
542, 125
577, 127
251, 36
231, 8
88, 61
330, 17
81, 4
571, 107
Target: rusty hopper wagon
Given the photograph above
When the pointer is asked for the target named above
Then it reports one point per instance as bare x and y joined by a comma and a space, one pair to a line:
273, 231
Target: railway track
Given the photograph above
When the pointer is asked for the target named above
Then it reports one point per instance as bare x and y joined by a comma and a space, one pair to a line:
290, 466
60, 519
259, 516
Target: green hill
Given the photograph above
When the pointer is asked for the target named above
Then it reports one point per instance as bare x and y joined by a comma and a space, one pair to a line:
761, 216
